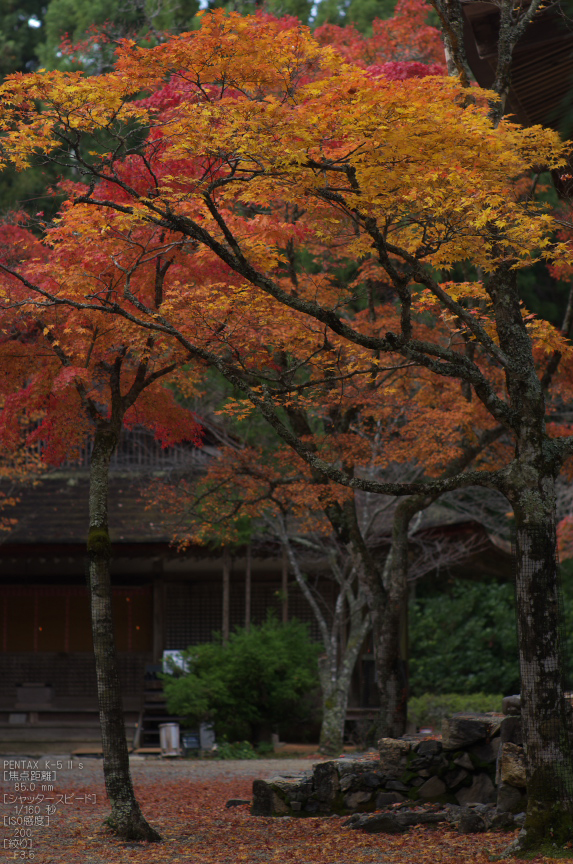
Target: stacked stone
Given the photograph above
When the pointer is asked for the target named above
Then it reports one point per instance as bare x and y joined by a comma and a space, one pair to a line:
458, 770
510, 776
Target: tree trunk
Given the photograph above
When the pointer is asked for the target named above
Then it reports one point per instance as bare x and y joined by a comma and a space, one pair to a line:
335, 677
334, 704
391, 635
530, 487
126, 818
387, 594
335, 684
545, 714
391, 663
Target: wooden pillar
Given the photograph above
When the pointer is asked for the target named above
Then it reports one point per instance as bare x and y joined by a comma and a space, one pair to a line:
284, 586
67, 624
36, 619
248, 590
5, 632
158, 613
129, 623
226, 594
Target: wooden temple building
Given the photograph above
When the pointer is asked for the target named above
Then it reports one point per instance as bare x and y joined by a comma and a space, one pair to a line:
162, 599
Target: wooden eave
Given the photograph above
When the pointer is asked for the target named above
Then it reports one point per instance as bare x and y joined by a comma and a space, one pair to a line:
542, 69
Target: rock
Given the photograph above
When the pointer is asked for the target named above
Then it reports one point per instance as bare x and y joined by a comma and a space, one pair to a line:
350, 771
511, 705
326, 782
236, 802
482, 791
292, 785
352, 820
510, 730
454, 778
269, 795
393, 755
372, 779
280, 807
464, 762
395, 823
262, 799
355, 766
505, 821
486, 752
397, 785
383, 799
512, 765
355, 799
295, 805
461, 730
453, 813
509, 799
380, 823
429, 748
432, 788
470, 822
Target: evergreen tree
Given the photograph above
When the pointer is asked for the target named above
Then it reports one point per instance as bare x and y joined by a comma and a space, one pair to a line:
360, 13
20, 34
92, 27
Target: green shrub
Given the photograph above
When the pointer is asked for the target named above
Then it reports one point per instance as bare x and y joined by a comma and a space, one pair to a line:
249, 687
236, 750
431, 708
465, 641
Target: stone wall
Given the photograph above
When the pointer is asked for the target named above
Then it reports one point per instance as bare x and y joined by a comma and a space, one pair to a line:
477, 753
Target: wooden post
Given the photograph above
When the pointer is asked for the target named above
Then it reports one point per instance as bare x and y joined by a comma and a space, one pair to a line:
284, 586
36, 620
5, 637
67, 625
248, 590
158, 612
226, 593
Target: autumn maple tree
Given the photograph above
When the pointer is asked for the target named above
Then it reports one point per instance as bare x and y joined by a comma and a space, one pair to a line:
279, 144
82, 379
402, 46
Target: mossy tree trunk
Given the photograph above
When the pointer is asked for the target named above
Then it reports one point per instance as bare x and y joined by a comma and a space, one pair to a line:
530, 487
545, 713
126, 818
336, 670
337, 663
391, 649
387, 594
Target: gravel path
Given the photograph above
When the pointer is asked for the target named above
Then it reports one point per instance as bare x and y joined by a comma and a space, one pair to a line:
146, 769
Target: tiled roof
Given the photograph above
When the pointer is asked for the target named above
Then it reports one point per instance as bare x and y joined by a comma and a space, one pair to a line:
56, 511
